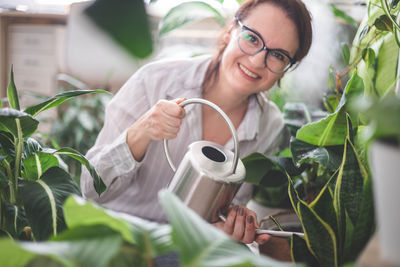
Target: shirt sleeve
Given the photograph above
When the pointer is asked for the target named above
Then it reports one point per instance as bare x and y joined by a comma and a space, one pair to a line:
111, 156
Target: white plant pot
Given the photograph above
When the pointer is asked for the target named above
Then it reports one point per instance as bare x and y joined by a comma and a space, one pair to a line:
385, 167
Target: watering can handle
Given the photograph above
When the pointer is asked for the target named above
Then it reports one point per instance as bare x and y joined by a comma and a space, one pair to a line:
226, 118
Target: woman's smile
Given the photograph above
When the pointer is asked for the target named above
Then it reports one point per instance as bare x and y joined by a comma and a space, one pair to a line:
248, 74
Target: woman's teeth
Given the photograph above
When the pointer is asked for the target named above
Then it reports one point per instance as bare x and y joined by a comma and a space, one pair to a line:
249, 73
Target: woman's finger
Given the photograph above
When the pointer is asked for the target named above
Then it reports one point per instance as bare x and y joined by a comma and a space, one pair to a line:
240, 223
250, 229
230, 220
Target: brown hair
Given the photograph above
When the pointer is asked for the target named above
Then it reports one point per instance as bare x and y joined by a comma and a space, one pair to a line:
296, 12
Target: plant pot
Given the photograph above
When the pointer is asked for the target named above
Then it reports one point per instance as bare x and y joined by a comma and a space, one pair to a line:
278, 248
385, 167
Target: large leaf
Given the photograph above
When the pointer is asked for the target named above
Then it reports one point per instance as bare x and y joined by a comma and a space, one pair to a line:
258, 167
300, 253
43, 200
82, 246
189, 12
349, 183
365, 226
7, 143
8, 122
37, 164
98, 183
13, 255
201, 244
12, 93
126, 22
328, 156
320, 237
324, 208
386, 72
57, 100
326, 132
150, 239
15, 219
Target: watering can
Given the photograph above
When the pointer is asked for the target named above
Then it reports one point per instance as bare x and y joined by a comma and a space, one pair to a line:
209, 175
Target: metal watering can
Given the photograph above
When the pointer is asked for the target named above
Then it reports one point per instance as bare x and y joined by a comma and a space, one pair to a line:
209, 175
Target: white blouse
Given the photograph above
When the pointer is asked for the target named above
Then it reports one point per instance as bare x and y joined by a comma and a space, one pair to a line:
136, 184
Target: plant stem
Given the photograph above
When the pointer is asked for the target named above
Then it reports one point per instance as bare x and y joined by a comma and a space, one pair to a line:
18, 154
11, 181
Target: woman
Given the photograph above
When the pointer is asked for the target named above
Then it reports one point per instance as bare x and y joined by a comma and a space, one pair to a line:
266, 38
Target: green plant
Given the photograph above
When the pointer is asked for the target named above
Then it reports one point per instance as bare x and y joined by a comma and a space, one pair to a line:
100, 237
33, 186
77, 126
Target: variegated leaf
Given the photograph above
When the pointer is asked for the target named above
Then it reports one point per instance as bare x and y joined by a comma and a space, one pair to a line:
43, 200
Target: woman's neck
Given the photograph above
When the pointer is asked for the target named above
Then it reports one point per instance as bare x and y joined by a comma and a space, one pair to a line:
225, 98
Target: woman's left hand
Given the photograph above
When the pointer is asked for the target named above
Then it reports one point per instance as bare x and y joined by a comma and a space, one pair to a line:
241, 224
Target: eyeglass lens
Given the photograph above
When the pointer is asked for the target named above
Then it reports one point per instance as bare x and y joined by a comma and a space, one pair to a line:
251, 44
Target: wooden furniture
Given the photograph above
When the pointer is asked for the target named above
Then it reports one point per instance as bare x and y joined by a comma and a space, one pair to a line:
32, 43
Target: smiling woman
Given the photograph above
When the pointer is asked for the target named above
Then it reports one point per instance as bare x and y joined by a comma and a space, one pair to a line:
128, 154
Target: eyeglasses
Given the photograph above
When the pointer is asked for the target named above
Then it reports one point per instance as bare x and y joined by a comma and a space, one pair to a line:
251, 43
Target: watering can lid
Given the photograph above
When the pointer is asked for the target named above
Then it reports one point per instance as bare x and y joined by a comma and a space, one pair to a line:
215, 161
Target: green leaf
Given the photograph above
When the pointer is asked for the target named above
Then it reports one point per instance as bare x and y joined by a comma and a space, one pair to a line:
43, 200
94, 246
189, 12
14, 219
350, 182
346, 53
324, 208
326, 132
293, 196
7, 143
31, 146
13, 255
319, 236
98, 183
386, 70
329, 156
365, 226
12, 93
8, 118
201, 244
37, 164
126, 22
368, 55
383, 23
149, 238
300, 253
57, 100
341, 14
257, 166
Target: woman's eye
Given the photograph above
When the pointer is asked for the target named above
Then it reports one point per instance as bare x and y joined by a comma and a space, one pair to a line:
278, 55
251, 38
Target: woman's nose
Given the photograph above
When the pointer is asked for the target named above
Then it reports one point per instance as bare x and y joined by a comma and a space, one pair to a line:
258, 59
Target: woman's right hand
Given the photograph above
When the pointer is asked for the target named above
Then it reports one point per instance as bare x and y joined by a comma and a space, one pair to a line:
162, 121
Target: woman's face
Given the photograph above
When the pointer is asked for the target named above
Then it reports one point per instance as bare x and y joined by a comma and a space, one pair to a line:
247, 74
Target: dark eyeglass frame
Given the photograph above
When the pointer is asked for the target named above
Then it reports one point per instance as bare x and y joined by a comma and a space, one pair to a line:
264, 47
